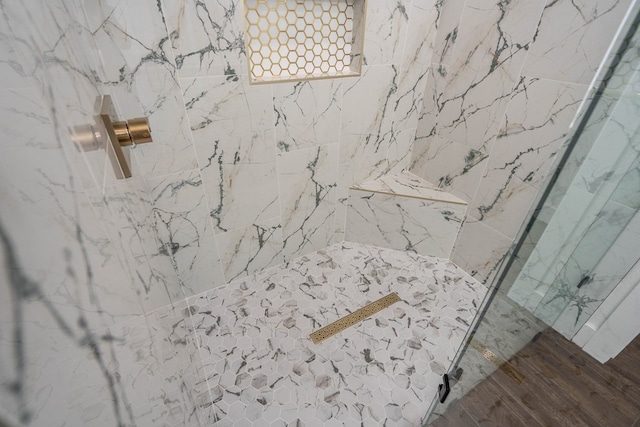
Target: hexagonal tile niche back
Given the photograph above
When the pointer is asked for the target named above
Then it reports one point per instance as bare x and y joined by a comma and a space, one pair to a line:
303, 39
261, 368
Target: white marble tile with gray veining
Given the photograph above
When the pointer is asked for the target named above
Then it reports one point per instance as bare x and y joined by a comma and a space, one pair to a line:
126, 211
14, 75
59, 231
59, 351
207, 38
307, 114
479, 85
365, 155
572, 38
385, 32
449, 16
627, 192
453, 167
366, 130
253, 338
415, 65
426, 127
308, 180
56, 350
535, 124
340, 215
480, 250
399, 150
181, 220
247, 250
589, 137
424, 226
65, 77
157, 361
368, 103
570, 220
232, 125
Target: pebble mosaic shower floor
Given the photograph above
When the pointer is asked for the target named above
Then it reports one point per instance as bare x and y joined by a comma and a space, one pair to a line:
262, 369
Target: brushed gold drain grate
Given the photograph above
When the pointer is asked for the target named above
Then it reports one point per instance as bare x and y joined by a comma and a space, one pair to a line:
353, 318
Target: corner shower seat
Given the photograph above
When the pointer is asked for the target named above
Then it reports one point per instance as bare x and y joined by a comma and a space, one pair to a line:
404, 212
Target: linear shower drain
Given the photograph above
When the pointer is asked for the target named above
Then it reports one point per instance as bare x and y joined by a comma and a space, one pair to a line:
353, 318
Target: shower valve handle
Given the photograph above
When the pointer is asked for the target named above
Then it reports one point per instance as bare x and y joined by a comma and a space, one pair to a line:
112, 135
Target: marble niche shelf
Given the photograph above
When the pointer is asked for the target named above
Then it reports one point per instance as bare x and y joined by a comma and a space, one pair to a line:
404, 212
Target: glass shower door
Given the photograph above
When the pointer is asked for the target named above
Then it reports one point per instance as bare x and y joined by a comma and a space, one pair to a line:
580, 241
85, 258
570, 268
590, 214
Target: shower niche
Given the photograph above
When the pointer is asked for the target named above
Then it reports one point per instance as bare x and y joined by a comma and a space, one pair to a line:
293, 40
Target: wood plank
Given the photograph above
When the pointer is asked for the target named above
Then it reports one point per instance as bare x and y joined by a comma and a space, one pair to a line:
605, 405
529, 398
618, 376
542, 396
490, 406
514, 405
456, 416
621, 373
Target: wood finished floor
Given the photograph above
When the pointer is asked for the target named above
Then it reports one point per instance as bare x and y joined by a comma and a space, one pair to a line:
563, 386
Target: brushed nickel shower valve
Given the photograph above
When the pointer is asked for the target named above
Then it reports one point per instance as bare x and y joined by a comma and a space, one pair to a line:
112, 136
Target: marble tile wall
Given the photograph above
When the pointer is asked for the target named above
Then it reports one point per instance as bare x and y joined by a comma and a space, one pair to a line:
405, 213
502, 90
91, 266
426, 227
277, 160
239, 178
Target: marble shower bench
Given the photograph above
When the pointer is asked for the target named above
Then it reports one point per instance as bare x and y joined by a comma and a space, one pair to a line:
404, 212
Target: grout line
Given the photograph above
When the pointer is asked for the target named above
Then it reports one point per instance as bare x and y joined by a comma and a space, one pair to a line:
207, 202
338, 158
277, 160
